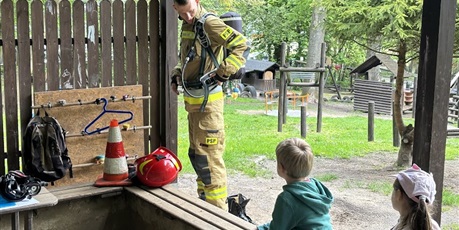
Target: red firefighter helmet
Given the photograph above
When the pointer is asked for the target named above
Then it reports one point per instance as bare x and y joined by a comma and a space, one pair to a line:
158, 168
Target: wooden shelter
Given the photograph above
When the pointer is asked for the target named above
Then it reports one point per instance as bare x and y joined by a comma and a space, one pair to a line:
110, 44
260, 74
369, 90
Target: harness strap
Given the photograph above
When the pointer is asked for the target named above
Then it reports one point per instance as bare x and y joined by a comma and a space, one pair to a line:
205, 43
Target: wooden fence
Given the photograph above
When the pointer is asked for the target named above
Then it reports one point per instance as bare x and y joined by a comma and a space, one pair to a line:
66, 45
379, 92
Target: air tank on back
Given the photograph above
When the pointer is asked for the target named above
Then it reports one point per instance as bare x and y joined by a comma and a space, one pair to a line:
234, 20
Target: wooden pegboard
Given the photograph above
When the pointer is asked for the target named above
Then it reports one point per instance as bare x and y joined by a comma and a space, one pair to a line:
83, 149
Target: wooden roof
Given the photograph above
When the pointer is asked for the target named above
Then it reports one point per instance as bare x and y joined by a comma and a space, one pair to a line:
376, 60
262, 66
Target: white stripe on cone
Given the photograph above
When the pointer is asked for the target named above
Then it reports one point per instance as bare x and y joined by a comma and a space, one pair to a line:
114, 135
115, 165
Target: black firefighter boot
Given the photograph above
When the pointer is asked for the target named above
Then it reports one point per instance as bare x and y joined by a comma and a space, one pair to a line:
236, 206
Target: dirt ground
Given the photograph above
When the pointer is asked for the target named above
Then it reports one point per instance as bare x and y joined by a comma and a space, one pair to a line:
356, 206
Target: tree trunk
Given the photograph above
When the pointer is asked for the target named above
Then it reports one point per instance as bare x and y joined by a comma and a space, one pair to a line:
316, 38
406, 132
277, 53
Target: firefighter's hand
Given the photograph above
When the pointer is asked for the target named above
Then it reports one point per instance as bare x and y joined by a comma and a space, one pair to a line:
216, 77
175, 82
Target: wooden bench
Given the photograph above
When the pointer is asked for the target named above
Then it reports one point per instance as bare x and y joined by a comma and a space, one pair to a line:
198, 213
87, 207
272, 97
80, 191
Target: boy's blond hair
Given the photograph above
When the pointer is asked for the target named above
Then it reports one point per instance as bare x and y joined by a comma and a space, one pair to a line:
295, 155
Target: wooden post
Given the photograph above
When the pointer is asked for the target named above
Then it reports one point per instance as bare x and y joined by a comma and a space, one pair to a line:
435, 61
285, 100
371, 121
321, 88
282, 93
168, 99
303, 121
28, 220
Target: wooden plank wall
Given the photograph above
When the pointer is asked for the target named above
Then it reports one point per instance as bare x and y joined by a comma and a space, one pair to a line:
67, 45
74, 119
379, 92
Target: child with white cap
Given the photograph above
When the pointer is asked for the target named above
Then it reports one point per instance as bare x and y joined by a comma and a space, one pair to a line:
414, 190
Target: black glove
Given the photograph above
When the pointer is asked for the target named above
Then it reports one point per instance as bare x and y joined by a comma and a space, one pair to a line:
174, 79
238, 75
220, 79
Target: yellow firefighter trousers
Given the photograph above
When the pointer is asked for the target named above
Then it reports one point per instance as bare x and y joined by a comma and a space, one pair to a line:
207, 144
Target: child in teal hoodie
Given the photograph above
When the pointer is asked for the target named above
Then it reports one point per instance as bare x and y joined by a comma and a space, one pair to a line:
305, 202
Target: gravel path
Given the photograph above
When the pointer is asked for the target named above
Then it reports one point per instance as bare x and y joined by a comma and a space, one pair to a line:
355, 205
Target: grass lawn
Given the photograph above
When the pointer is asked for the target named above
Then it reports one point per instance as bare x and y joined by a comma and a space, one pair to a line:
251, 135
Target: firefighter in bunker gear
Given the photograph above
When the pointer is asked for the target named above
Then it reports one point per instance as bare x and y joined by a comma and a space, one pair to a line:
206, 128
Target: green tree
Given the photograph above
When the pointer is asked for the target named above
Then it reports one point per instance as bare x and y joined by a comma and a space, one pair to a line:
398, 23
268, 23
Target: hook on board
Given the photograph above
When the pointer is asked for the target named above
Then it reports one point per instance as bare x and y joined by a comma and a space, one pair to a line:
104, 111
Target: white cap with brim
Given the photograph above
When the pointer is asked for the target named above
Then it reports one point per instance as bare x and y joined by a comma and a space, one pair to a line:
417, 184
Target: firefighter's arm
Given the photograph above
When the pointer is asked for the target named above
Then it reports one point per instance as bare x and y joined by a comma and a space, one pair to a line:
222, 34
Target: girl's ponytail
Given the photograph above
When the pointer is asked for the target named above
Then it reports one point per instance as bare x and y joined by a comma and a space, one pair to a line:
421, 216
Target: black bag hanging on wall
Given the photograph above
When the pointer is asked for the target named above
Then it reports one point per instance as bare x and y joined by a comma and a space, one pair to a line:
45, 152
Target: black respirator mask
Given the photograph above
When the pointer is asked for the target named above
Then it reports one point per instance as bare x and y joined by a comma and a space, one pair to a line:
16, 186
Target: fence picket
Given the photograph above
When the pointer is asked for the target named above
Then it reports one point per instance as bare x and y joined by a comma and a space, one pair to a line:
52, 62
38, 54
106, 34
3, 155
118, 41
66, 49
142, 60
93, 43
24, 70
131, 76
79, 51
10, 87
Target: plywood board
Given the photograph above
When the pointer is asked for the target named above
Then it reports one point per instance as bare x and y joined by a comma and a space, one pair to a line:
84, 149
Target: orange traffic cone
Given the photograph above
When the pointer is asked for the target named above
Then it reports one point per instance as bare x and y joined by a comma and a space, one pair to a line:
115, 164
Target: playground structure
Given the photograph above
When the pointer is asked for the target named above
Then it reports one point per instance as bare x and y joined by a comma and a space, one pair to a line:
284, 83
453, 108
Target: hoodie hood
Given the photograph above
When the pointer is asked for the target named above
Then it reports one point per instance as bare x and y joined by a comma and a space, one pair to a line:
312, 193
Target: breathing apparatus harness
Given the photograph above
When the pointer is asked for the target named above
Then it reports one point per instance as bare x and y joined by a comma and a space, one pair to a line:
16, 186
205, 80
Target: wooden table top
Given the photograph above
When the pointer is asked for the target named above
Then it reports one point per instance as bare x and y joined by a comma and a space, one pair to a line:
44, 199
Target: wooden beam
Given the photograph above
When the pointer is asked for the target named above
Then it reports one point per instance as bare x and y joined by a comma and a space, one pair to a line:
168, 99
436, 52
